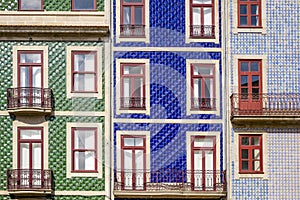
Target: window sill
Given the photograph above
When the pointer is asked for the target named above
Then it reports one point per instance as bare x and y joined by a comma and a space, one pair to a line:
237, 30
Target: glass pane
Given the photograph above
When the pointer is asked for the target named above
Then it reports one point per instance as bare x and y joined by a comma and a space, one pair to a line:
128, 141
254, 66
36, 77
30, 58
203, 142
244, 81
84, 139
244, 66
139, 141
245, 154
84, 5
138, 15
196, 16
254, 21
207, 16
243, 20
245, 141
255, 141
126, 15
85, 160
256, 165
243, 9
127, 87
24, 160
133, 70
244, 91
255, 154
208, 88
198, 70
197, 88
128, 159
254, 9
255, 80
30, 4
84, 62
36, 156
138, 87
245, 165
202, 1
132, 1
24, 77
89, 84
209, 160
255, 91
139, 159
30, 134
197, 160
89, 62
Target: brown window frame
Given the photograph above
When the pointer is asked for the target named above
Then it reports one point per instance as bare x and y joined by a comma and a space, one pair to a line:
249, 3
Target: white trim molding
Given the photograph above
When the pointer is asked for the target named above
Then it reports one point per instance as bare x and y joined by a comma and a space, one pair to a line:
147, 85
98, 93
218, 82
70, 174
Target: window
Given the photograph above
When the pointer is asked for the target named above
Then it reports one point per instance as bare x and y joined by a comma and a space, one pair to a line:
133, 86
250, 154
203, 87
249, 13
84, 5
202, 19
132, 18
30, 5
84, 149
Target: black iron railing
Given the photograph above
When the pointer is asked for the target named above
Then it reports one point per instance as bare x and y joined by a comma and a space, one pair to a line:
170, 180
133, 103
131, 30
29, 179
203, 103
202, 31
265, 104
29, 97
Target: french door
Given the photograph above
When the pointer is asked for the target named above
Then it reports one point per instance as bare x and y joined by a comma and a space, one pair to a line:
30, 157
250, 86
30, 77
133, 162
203, 163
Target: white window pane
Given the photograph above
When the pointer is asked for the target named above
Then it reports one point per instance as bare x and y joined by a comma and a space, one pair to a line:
196, 16
139, 142
79, 62
202, 1
36, 156
24, 160
209, 160
127, 87
203, 142
30, 134
128, 159
207, 16
139, 159
90, 62
84, 139
197, 160
256, 165
200, 70
127, 15
133, 70
24, 79
85, 160
256, 154
89, 84
30, 58
36, 77
208, 88
197, 88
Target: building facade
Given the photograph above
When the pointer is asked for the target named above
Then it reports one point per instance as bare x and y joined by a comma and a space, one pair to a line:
54, 71
168, 105
263, 63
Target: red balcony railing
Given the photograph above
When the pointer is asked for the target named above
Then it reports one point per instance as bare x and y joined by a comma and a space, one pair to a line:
132, 30
29, 97
133, 103
202, 31
29, 179
265, 104
170, 181
203, 103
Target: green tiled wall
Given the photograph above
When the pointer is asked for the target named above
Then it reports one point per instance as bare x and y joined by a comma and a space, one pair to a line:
56, 73
49, 5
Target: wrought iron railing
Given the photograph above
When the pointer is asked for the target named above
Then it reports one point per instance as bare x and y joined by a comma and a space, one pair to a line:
203, 103
265, 104
29, 179
170, 180
132, 30
29, 97
203, 31
133, 103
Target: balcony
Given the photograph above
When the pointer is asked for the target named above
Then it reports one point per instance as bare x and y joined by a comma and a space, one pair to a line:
32, 182
202, 31
133, 103
132, 30
27, 100
170, 184
203, 103
265, 109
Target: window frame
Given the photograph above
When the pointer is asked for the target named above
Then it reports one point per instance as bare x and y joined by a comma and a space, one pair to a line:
248, 3
74, 9
20, 7
202, 6
250, 148
73, 149
73, 53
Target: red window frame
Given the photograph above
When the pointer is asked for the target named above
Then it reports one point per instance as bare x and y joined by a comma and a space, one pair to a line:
30, 141
250, 159
133, 76
76, 9
203, 149
84, 72
203, 102
73, 149
249, 3
202, 26
20, 7
132, 27
133, 148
